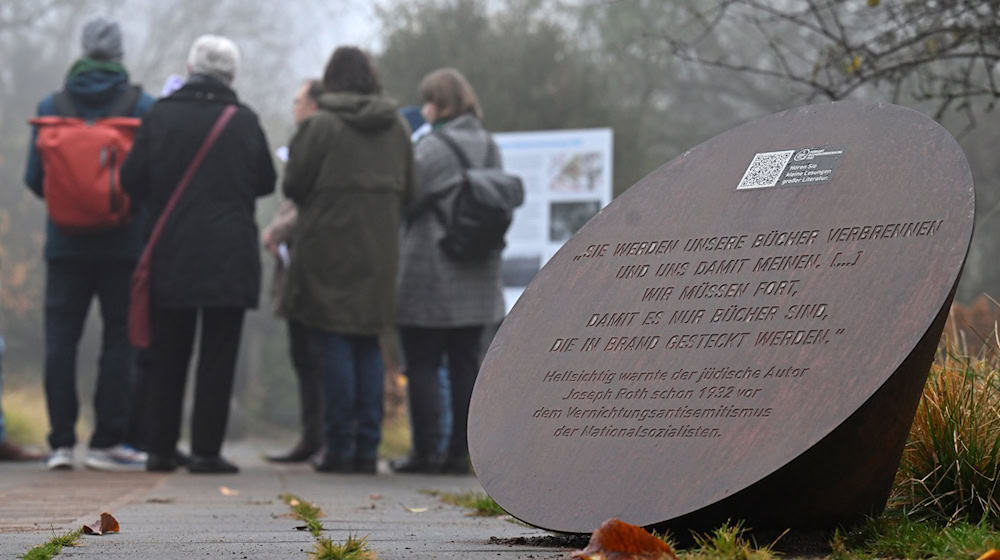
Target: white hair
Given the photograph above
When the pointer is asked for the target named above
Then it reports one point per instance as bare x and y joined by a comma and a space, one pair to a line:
214, 55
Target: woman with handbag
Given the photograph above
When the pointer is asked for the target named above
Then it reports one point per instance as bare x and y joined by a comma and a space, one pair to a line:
199, 162
445, 305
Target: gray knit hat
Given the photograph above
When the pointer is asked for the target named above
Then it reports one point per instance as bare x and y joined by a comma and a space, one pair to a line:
102, 40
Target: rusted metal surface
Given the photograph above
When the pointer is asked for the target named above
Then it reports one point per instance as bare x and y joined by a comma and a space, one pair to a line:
700, 351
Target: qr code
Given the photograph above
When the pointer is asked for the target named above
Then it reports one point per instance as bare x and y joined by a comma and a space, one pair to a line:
765, 169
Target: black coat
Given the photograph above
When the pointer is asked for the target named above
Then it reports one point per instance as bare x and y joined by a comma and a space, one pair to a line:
207, 255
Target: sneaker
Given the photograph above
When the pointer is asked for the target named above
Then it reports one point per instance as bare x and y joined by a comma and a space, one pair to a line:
118, 458
61, 459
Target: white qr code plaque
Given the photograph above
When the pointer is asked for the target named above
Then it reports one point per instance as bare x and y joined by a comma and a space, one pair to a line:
765, 170
798, 167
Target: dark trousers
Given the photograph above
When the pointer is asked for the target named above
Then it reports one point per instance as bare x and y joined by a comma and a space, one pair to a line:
173, 341
305, 361
138, 419
424, 349
70, 285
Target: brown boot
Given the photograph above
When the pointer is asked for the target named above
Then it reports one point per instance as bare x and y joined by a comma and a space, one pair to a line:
13, 452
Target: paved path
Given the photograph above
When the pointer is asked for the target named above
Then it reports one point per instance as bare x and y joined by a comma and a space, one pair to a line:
191, 516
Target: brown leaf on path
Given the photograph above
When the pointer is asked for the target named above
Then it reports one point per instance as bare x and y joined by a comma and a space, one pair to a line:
617, 540
991, 554
106, 524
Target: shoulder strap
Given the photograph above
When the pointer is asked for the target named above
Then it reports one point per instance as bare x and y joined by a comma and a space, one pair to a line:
454, 147
220, 124
64, 104
125, 104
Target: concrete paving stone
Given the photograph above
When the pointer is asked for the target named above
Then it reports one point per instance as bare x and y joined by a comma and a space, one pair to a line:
188, 516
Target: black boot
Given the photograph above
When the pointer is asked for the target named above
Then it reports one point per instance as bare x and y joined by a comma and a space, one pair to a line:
299, 454
160, 463
211, 465
419, 463
330, 463
457, 464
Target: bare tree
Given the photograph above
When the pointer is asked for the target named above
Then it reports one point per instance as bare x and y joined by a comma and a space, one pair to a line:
942, 52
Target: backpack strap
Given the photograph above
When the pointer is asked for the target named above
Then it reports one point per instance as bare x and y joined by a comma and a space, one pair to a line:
64, 104
450, 142
124, 106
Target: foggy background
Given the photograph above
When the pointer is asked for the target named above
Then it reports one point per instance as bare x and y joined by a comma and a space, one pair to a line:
664, 76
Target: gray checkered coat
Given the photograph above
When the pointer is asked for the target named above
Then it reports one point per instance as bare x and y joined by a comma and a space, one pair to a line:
433, 290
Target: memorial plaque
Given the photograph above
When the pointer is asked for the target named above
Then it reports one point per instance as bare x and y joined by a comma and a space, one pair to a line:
745, 333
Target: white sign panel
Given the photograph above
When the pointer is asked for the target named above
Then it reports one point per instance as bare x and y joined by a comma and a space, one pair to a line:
567, 178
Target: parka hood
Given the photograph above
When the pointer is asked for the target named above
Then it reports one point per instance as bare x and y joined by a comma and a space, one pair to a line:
360, 111
95, 87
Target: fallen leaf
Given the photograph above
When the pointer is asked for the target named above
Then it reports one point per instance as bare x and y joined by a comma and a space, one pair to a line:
226, 491
374, 496
617, 540
991, 554
106, 524
415, 509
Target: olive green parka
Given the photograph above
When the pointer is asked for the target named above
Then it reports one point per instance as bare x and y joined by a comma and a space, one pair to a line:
350, 171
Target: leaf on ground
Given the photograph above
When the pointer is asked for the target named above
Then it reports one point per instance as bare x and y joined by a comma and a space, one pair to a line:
106, 524
991, 554
617, 540
415, 509
374, 496
227, 491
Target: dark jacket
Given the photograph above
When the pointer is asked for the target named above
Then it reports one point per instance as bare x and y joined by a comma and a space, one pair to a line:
94, 93
207, 255
436, 291
350, 171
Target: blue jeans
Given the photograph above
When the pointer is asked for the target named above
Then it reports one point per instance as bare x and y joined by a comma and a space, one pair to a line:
70, 285
353, 383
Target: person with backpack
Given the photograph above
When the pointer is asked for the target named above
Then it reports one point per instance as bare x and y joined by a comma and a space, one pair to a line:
444, 301
93, 239
200, 162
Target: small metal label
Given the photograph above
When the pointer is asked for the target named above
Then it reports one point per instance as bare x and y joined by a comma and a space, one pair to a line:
804, 166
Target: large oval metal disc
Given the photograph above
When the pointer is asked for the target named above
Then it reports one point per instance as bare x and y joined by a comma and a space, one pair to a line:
722, 316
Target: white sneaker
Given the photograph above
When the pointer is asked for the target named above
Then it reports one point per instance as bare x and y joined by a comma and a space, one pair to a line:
118, 458
61, 459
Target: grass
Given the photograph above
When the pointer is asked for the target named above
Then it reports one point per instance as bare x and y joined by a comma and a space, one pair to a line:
53, 547
354, 548
950, 470
395, 436
897, 536
479, 503
727, 542
25, 417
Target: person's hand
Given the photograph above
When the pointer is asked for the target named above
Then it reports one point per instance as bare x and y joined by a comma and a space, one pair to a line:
267, 240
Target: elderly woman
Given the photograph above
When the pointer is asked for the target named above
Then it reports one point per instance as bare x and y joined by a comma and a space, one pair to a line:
206, 265
444, 305
350, 171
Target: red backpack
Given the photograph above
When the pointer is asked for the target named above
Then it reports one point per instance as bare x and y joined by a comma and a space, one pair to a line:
82, 163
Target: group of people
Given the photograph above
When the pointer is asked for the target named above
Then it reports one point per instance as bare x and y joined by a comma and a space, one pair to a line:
356, 248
